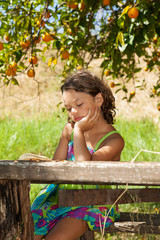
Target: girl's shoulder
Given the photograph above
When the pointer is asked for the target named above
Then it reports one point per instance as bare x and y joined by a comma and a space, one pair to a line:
114, 136
109, 135
67, 130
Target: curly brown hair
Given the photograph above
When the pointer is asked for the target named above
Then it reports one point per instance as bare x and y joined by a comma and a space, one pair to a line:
87, 82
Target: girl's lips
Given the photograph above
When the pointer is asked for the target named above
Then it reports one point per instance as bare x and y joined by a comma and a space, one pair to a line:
78, 119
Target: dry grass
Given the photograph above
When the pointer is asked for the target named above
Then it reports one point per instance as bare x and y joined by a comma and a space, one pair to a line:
23, 100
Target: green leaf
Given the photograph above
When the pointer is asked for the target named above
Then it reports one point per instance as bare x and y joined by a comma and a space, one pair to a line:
14, 81
58, 44
125, 10
18, 55
21, 65
119, 39
120, 22
124, 89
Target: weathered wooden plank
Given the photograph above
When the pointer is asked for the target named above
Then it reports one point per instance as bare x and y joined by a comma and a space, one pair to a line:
85, 197
139, 173
15, 214
136, 223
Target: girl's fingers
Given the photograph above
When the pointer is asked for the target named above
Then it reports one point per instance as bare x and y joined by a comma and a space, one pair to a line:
89, 115
95, 116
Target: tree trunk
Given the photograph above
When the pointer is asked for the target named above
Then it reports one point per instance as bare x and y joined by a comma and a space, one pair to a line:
15, 215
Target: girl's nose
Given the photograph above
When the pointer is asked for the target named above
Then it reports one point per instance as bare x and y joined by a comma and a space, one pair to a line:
73, 111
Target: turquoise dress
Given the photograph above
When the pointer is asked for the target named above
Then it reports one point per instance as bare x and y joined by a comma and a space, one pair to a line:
46, 213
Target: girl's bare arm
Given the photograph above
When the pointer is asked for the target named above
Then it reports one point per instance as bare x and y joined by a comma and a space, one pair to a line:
61, 150
110, 150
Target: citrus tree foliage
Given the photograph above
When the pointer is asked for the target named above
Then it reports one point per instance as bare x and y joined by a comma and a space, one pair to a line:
78, 31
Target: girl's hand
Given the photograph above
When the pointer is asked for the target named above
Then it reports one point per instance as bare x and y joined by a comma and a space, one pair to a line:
89, 121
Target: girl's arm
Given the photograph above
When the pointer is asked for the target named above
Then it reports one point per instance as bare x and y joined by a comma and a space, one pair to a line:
81, 151
109, 151
61, 150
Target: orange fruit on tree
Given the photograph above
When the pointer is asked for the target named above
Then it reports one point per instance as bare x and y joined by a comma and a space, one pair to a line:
133, 12
146, 69
106, 2
11, 70
33, 60
65, 54
158, 53
8, 71
112, 84
25, 44
109, 19
31, 73
6, 38
46, 37
14, 65
22, 43
1, 46
154, 90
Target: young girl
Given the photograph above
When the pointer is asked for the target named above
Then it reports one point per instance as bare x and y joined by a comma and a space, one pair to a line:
88, 136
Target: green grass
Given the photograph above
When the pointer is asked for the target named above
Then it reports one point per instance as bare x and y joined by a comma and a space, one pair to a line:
41, 135
142, 134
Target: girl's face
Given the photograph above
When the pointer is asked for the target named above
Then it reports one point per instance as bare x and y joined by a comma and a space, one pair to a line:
78, 104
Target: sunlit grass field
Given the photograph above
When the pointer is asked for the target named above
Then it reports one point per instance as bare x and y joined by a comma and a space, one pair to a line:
41, 134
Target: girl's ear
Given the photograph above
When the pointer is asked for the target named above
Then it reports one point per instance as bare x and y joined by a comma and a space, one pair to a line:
99, 99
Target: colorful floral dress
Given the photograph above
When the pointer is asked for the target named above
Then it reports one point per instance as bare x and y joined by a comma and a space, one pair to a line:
46, 213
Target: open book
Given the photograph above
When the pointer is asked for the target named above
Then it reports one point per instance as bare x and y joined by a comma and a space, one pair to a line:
34, 157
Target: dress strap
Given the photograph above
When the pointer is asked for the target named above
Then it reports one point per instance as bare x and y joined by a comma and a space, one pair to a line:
103, 138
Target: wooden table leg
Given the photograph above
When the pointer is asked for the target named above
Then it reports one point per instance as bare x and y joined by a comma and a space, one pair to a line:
15, 214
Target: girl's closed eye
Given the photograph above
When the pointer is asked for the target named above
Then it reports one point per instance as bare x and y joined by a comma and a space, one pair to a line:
79, 105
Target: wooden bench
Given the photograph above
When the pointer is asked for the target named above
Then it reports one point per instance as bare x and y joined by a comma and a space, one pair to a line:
16, 176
